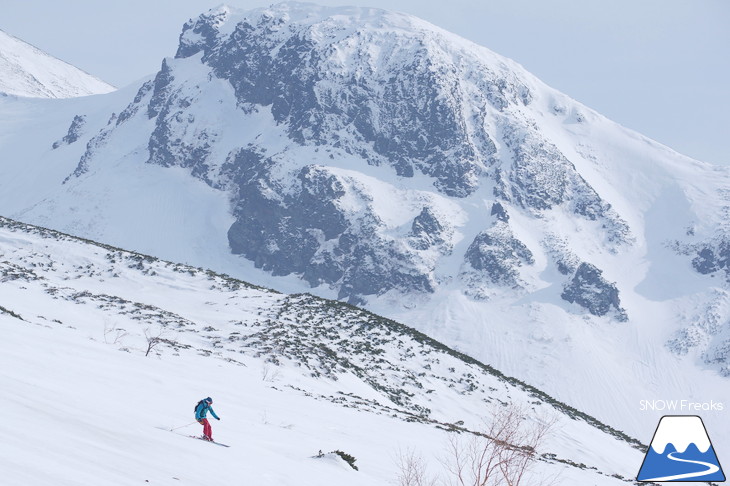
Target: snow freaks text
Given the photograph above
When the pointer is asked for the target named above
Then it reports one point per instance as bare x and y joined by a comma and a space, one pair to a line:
680, 406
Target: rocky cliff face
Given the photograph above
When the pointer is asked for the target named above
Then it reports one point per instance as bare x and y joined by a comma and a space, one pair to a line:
590, 290
713, 256
369, 88
75, 130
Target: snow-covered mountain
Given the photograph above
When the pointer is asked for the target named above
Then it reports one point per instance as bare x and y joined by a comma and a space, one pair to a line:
290, 375
370, 156
28, 71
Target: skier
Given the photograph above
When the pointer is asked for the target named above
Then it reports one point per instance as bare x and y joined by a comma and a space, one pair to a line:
200, 413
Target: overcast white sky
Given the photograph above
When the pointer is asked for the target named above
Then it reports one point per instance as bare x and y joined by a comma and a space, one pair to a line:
661, 67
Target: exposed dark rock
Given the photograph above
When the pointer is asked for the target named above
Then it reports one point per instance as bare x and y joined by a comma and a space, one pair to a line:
92, 147
168, 150
426, 231
371, 271
498, 254
558, 248
162, 85
499, 212
686, 339
541, 177
408, 116
713, 257
200, 34
135, 105
591, 291
74, 131
563, 267
301, 229
176, 139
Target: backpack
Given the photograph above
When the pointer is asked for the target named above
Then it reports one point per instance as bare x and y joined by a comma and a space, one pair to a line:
197, 405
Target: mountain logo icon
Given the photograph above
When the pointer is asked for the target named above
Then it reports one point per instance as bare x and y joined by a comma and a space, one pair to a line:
680, 451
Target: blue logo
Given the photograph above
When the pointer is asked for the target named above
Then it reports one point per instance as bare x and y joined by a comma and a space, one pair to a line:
680, 451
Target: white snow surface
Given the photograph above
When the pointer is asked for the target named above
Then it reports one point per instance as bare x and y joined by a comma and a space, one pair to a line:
598, 365
87, 406
27, 71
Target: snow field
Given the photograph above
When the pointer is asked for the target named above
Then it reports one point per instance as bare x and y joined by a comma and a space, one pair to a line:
85, 413
82, 412
87, 404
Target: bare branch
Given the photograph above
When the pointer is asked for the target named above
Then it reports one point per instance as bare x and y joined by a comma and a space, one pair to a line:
503, 455
114, 334
153, 338
412, 470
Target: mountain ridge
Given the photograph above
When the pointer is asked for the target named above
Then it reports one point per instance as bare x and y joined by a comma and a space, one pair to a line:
29, 71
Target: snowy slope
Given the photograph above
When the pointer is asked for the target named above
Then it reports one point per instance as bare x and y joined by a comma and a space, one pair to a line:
28, 71
377, 158
290, 375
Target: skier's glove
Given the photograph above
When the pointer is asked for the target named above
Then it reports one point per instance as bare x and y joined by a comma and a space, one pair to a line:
217, 419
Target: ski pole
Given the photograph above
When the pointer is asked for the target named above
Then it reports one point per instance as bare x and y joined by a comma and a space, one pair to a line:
175, 428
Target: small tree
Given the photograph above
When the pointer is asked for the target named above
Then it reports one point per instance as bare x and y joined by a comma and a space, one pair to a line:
412, 470
349, 459
114, 334
519, 451
503, 455
473, 461
153, 338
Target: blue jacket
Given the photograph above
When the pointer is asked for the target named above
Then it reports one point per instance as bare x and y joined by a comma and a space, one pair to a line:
202, 410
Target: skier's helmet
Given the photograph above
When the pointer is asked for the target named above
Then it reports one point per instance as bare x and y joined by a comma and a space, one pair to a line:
209, 400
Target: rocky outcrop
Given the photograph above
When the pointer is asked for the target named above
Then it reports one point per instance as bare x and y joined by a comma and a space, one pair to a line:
499, 212
708, 333
713, 257
541, 177
300, 226
92, 147
496, 255
74, 131
427, 231
591, 291
558, 249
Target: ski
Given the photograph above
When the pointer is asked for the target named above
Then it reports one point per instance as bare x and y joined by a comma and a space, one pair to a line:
193, 437
211, 441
